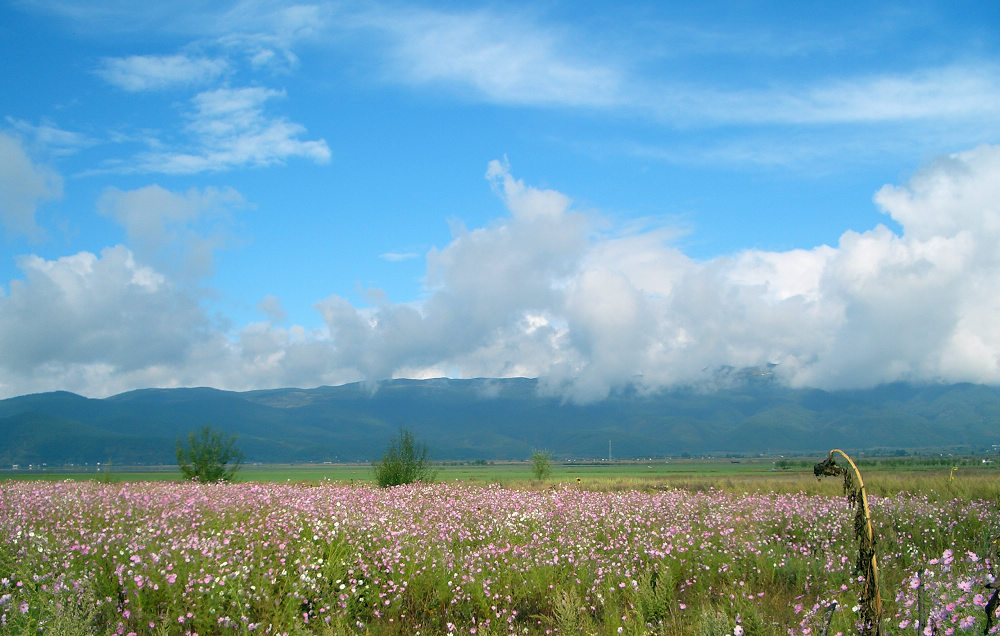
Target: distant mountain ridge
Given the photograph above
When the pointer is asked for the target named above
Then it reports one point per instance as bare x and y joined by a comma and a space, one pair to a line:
495, 419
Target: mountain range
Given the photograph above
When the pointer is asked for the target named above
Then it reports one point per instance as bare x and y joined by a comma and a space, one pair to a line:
496, 419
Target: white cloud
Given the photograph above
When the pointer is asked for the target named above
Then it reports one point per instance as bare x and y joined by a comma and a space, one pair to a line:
549, 292
229, 129
158, 72
103, 324
191, 17
642, 65
500, 56
533, 295
642, 68
521, 58
262, 33
922, 305
271, 306
396, 257
24, 185
50, 139
86, 309
950, 93
484, 283
176, 232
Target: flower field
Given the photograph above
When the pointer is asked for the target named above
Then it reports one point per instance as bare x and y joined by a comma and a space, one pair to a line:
172, 558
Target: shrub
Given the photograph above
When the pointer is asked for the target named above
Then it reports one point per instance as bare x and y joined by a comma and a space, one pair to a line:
404, 462
541, 464
209, 456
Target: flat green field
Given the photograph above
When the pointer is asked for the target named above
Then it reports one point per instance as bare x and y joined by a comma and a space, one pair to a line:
636, 548
970, 479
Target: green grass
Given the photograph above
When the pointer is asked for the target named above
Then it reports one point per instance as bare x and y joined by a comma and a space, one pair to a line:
788, 562
883, 478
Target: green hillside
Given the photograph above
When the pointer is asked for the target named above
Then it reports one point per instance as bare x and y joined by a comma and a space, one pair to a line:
494, 419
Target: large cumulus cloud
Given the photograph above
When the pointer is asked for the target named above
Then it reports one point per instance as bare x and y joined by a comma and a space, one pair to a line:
100, 324
922, 305
545, 291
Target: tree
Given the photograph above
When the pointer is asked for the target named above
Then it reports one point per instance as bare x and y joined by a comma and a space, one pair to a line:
209, 456
541, 464
404, 462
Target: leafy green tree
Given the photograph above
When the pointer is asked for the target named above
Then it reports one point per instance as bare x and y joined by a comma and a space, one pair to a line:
541, 464
209, 456
404, 462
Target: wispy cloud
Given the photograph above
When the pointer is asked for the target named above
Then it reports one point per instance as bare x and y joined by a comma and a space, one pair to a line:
395, 257
520, 58
157, 72
950, 93
197, 18
228, 128
502, 57
816, 150
262, 31
643, 70
49, 139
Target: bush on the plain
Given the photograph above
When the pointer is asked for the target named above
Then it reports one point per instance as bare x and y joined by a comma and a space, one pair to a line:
209, 456
405, 461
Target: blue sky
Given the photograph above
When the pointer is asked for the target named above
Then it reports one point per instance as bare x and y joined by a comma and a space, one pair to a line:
258, 194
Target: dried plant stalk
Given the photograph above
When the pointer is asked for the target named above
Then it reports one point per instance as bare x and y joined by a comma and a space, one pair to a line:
870, 607
993, 556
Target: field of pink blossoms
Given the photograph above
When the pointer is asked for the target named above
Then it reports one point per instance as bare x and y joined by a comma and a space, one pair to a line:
169, 558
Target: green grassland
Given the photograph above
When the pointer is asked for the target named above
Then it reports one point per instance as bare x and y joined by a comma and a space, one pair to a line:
970, 479
793, 559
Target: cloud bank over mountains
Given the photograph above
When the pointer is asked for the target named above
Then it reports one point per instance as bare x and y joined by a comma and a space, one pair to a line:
548, 290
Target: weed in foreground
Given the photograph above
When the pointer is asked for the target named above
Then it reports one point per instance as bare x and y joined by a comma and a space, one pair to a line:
870, 614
